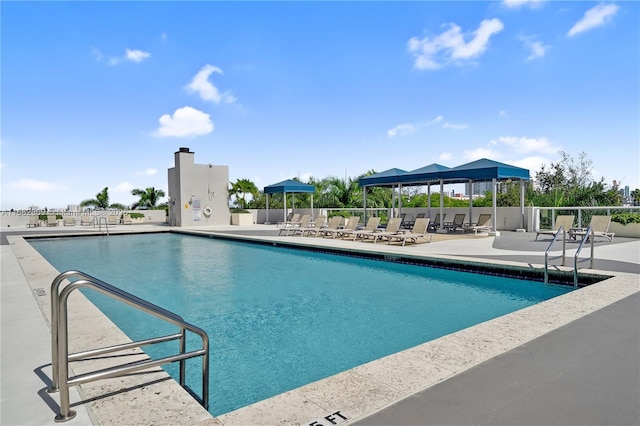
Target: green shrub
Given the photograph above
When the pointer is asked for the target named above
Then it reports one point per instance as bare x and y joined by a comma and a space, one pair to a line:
625, 218
238, 210
136, 215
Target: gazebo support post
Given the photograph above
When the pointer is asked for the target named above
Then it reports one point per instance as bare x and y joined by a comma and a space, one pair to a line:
267, 220
470, 201
494, 186
522, 227
441, 229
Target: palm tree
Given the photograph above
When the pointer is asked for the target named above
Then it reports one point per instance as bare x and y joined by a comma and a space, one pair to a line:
101, 202
148, 197
241, 188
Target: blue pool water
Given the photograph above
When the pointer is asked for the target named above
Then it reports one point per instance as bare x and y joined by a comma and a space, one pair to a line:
279, 318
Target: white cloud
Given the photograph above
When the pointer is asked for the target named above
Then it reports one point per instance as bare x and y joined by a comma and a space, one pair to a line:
525, 145
455, 126
595, 17
185, 122
148, 172
502, 113
531, 163
207, 91
445, 156
450, 46
131, 55
516, 4
401, 129
35, 185
478, 153
537, 48
137, 55
122, 187
164, 36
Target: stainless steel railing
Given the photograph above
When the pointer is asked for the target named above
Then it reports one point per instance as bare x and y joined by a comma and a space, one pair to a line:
60, 356
564, 252
588, 235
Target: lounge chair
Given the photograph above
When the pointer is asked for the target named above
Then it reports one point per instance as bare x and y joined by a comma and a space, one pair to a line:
483, 224
351, 225
409, 223
51, 220
349, 228
391, 229
317, 226
372, 225
126, 219
33, 221
69, 221
564, 221
435, 224
86, 220
332, 226
419, 230
304, 223
458, 222
112, 220
292, 220
599, 225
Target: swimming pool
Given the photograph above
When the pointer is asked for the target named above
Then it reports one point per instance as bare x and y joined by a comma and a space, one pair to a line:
280, 318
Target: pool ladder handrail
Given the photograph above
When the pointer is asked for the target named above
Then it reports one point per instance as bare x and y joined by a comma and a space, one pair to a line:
60, 356
588, 235
564, 252
576, 260
106, 224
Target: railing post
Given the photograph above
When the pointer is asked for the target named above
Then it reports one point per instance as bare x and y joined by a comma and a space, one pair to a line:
66, 413
564, 246
183, 349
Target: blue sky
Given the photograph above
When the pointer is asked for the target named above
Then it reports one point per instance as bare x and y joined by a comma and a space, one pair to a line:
102, 94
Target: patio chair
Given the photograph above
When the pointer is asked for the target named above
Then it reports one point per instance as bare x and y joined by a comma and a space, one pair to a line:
599, 225
33, 221
372, 225
315, 227
391, 229
69, 221
304, 223
332, 226
51, 220
351, 225
419, 230
483, 224
126, 219
435, 224
112, 220
86, 220
458, 222
293, 219
565, 221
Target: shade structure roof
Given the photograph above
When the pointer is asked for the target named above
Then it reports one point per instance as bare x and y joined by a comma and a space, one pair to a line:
479, 170
289, 185
387, 178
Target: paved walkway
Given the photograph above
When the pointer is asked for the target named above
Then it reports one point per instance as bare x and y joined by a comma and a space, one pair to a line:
586, 372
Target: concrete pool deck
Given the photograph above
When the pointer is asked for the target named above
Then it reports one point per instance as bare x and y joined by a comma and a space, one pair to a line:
396, 389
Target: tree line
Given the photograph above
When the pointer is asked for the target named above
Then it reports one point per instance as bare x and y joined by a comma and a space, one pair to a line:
567, 183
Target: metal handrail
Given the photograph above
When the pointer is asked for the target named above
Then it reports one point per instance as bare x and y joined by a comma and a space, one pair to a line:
106, 224
546, 253
60, 356
588, 235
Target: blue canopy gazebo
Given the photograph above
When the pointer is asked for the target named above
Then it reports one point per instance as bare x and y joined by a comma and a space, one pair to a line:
479, 170
285, 186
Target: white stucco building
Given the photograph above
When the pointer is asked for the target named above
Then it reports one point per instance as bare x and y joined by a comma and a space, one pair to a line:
198, 193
